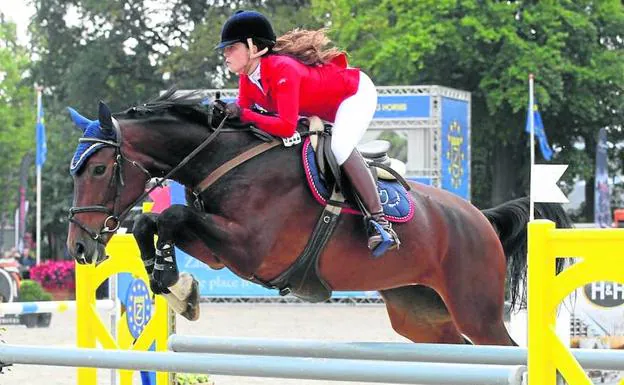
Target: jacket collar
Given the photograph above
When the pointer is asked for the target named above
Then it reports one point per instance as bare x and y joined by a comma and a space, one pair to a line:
265, 70
255, 76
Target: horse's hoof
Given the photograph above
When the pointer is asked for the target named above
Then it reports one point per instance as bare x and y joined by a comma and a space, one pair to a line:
192, 303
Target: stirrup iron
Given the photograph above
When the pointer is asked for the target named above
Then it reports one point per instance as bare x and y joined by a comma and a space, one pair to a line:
388, 240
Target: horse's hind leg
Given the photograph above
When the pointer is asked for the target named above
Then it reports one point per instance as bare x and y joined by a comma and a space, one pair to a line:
476, 302
145, 228
483, 324
419, 314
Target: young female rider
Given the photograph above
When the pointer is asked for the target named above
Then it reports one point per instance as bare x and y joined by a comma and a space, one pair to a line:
295, 75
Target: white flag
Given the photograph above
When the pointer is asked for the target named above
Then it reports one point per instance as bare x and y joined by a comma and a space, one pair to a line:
544, 178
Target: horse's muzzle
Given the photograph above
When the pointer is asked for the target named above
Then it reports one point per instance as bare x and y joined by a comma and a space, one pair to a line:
88, 252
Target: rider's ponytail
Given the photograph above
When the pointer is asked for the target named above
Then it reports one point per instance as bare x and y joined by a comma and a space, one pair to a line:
309, 47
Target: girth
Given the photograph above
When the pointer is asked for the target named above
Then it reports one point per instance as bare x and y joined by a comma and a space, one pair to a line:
303, 279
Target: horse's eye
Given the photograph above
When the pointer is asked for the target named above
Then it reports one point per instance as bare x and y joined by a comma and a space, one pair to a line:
99, 170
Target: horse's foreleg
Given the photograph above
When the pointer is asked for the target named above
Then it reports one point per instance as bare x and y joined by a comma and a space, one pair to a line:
145, 228
205, 235
173, 229
165, 267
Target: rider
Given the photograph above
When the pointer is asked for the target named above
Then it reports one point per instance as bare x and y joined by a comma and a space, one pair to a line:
296, 75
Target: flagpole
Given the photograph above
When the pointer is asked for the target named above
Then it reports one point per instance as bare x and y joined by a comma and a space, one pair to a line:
17, 227
532, 128
38, 236
38, 240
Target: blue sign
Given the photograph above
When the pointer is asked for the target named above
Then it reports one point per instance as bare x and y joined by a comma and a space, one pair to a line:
421, 179
402, 106
455, 147
219, 283
139, 307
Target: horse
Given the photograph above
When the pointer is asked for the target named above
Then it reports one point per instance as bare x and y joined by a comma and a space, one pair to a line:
445, 284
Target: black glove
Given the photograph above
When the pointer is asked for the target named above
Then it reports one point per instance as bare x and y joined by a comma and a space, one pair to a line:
218, 112
233, 110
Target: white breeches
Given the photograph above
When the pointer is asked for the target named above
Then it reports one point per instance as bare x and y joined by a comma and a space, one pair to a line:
353, 118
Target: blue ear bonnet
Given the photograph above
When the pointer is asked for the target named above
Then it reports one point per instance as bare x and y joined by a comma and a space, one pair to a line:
90, 129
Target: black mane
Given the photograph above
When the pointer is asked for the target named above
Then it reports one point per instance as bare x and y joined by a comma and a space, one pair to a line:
189, 106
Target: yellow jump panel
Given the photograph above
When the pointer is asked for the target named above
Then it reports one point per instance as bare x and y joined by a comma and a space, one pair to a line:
600, 259
124, 257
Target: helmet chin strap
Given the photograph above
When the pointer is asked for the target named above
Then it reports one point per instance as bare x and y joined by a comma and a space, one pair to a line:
257, 54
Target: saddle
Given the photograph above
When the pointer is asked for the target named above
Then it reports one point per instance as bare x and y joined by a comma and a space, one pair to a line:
374, 152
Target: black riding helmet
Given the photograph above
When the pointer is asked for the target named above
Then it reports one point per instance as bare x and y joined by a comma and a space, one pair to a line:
247, 24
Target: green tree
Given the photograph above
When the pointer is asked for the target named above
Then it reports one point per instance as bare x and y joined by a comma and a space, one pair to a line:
574, 48
91, 51
86, 52
17, 115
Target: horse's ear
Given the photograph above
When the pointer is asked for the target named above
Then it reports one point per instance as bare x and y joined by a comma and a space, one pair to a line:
106, 118
79, 120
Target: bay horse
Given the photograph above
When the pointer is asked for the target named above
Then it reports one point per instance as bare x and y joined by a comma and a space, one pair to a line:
445, 284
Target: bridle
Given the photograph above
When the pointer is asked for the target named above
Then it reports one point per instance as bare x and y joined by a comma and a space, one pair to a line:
113, 221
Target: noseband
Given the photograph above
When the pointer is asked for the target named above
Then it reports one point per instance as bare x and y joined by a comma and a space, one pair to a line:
113, 220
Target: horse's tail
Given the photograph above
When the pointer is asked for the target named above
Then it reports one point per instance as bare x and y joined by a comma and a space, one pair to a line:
510, 221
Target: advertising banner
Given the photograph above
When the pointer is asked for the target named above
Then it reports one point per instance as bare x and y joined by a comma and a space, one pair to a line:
598, 323
455, 138
602, 204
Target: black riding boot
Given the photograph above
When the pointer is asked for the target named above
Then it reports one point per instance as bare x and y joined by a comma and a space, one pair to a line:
381, 236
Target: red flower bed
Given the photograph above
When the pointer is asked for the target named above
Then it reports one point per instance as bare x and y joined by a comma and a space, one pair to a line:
55, 275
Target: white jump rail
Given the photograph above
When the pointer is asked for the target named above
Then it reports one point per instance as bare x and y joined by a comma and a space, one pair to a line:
263, 366
48, 306
385, 351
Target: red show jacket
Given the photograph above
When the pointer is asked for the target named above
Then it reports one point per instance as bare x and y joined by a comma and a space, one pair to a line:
292, 88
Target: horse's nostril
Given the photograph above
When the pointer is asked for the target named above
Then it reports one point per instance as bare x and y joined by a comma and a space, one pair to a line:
80, 249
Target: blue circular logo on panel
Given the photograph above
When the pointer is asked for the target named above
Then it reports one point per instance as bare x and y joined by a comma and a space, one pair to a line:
139, 307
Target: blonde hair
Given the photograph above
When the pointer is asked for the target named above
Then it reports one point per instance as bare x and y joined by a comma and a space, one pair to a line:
309, 47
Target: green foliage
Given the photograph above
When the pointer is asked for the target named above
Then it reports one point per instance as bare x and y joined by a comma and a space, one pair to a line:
191, 379
86, 52
105, 53
574, 48
17, 113
56, 192
31, 291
